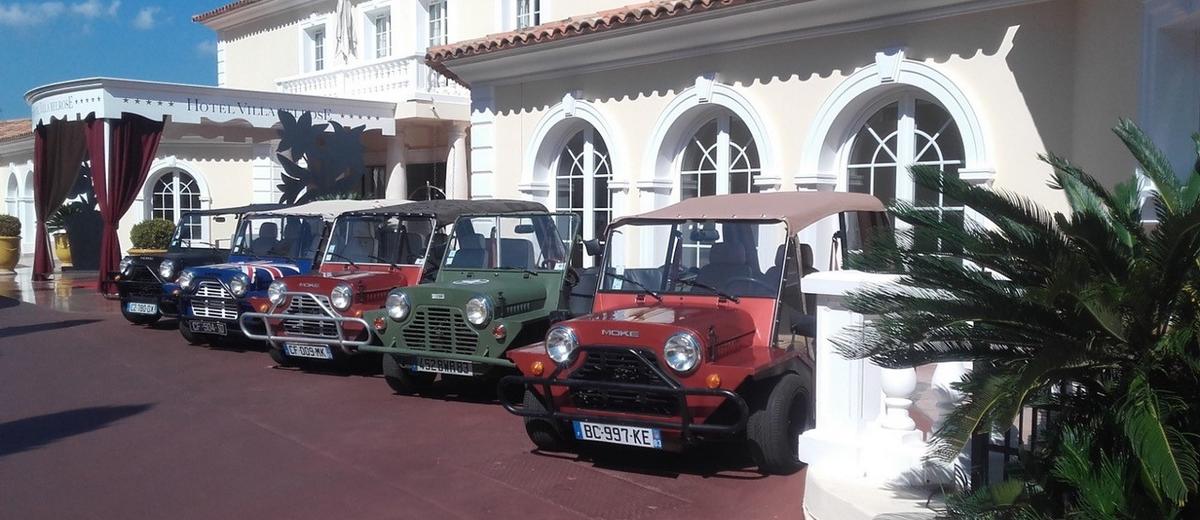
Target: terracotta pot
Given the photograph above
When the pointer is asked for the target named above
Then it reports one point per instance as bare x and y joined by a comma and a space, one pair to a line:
62, 249
148, 252
10, 253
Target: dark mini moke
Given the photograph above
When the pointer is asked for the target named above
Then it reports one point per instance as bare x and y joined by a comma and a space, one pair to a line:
700, 329
317, 317
145, 282
504, 279
267, 245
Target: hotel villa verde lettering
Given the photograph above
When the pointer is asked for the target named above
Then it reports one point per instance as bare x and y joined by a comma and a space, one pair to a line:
237, 107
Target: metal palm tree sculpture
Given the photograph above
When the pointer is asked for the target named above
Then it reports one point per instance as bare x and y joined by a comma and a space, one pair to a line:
1084, 313
333, 161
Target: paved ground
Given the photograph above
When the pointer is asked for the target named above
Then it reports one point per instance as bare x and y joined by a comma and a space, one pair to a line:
101, 419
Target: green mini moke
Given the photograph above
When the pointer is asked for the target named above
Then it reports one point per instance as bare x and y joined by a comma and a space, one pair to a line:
504, 280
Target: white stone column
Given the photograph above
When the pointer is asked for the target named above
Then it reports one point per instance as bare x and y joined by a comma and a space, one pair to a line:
456, 164
397, 183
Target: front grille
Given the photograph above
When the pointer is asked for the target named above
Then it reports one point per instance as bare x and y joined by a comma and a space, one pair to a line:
440, 329
519, 308
213, 301
613, 365
141, 281
305, 305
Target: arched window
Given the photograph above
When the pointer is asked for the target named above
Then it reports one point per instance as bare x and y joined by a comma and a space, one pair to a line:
906, 132
720, 157
27, 214
582, 174
175, 192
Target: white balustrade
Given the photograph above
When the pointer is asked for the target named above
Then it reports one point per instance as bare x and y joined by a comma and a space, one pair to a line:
390, 79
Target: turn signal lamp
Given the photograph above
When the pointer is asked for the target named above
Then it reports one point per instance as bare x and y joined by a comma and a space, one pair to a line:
380, 323
175, 292
713, 381
537, 368
499, 332
262, 307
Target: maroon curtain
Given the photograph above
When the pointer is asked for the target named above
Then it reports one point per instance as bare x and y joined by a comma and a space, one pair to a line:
57, 153
133, 141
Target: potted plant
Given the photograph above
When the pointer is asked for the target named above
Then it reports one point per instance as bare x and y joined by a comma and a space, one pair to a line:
56, 224
151, 237
10, 243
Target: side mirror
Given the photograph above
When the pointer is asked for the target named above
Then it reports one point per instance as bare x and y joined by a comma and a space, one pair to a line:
593, 247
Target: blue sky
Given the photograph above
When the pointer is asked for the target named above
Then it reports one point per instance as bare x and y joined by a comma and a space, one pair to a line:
47, 41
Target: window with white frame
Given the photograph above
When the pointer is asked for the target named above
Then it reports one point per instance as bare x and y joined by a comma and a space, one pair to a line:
529, 13
13, 196
381, 24
316, 48
719, 158
582, 175
175, 192
437, 22
906, 132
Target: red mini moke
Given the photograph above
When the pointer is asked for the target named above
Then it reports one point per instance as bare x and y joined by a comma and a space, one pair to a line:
700, 329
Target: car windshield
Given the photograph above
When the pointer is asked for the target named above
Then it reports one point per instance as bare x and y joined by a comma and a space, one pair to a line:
202, 232
721, 258
519, 242
279, 236
375, 239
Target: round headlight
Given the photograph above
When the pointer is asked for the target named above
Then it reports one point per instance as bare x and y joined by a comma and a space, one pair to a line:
397, 306
238, 284
126, 264
479, 310
682, 352
275, 292
560, 343
185, 280
340, 297
167, 269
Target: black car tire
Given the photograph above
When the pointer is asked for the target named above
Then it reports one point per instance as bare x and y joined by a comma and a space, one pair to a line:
546, 434
191, 337
281, 359
778, 415
402, 380
139, 319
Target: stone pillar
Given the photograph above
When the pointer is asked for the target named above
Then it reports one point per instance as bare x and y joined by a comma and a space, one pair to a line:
456, 164
397, 183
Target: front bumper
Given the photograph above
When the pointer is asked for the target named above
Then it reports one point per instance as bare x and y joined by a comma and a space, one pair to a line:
349, 346
408, 352
684, 422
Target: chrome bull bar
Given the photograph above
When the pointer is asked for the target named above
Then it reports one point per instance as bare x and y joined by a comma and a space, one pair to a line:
349, 346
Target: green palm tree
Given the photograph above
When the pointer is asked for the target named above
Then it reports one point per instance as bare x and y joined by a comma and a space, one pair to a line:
1086, 313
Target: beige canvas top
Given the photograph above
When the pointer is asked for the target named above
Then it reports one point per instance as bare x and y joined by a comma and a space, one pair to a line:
798, 208
330, 209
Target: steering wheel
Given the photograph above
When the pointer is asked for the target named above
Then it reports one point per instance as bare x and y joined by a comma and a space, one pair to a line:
750, 280
571, 277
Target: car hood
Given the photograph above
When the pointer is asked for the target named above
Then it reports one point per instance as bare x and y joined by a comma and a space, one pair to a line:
509, 298
260, 273
652, 325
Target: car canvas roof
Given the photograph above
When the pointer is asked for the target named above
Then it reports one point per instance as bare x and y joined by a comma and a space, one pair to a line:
798, 208
236, 210
447, 211
328, 209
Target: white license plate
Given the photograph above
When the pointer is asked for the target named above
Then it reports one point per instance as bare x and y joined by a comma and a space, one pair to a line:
452, 367
616, 434
308, 351
142, 308
207, 327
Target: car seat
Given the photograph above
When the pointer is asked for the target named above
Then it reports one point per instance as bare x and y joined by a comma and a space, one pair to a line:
725, 261
268, 237
471, 253
516, 253
360, 245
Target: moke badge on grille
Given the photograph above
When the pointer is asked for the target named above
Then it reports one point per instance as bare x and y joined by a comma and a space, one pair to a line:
438, 296
471, 281
619, 333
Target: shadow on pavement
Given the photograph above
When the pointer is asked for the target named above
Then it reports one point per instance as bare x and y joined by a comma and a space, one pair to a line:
6, 302
34, 432
8, 332
716, 460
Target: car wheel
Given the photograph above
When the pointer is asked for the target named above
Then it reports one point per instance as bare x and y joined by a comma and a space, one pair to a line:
778, 416
281, 359
547, 435
191, 337
402, 380
138, 319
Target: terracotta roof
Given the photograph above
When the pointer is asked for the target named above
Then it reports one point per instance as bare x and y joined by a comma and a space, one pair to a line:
15, 129
630, 15
231, 6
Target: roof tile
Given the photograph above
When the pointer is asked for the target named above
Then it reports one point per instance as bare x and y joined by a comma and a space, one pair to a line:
231, 6
15, 129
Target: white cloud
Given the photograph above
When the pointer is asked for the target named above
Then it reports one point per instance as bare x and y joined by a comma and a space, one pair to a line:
147, 17
28, 14
206, 48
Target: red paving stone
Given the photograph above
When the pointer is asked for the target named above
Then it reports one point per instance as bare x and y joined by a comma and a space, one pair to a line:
101, 419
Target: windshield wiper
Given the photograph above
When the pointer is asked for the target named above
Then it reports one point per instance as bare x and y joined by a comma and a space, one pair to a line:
522, 269
343, 257
210, 246
373, 257
715, 291
634, 282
